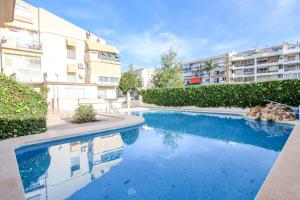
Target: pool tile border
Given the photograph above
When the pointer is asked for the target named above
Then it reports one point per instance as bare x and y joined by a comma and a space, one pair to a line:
10, 181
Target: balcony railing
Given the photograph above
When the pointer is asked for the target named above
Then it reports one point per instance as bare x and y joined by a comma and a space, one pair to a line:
110, 57
28, 44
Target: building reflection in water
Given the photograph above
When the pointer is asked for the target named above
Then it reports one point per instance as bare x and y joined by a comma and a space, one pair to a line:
71, 166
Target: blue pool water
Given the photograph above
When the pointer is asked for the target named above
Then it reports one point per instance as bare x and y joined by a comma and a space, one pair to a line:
171, 156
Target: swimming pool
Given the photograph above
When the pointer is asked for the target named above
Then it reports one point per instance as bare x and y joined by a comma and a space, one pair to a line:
173, 155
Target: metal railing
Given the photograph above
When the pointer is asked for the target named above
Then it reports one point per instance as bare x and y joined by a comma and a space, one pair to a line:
28, 44
108, 108
113, 108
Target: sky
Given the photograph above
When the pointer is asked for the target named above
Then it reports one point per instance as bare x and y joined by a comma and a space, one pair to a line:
142, 30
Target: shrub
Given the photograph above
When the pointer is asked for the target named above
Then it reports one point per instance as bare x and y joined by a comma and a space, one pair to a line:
227, 95
23, 111
84, 113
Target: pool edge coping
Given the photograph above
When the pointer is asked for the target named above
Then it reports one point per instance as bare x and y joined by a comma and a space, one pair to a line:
10, 182
283, 180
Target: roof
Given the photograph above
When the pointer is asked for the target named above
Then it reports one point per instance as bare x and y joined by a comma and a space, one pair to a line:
206, 59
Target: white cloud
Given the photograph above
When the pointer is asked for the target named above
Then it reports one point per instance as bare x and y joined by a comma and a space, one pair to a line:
229, 46
105, 32
147, 46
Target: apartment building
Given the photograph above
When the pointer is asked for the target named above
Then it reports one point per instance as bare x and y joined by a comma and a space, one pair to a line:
262, 64
194, 73
265, 64
40, 48
146, 76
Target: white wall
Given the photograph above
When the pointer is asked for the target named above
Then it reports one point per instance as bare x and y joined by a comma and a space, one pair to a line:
54, 32
69, 95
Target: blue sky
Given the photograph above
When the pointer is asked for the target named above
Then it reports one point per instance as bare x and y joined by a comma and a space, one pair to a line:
143, 30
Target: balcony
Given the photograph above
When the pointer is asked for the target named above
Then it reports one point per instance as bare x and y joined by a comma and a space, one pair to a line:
109, 57
19, 43
291, 61
267, 63
292, 68
292, 49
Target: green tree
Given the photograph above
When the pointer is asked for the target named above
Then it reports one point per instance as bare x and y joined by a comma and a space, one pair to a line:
210, 66
129, 82
169, 75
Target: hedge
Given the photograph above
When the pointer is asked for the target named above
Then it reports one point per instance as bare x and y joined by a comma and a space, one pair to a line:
227, 95
22, 110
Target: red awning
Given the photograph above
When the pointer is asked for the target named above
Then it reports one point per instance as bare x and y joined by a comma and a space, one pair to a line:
195, 80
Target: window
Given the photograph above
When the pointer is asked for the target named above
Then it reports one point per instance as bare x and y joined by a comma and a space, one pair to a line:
249, 62
249, 71
109, 56
273, 68
71, 52
239, 72
290, 58
290, 67
26, 68
262, 70
249, 79
238, 79
108, 79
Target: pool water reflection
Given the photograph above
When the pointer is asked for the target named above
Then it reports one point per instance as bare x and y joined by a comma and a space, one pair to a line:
171, 156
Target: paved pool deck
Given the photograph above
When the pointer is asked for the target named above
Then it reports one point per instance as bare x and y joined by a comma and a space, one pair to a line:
59, 128
283, 181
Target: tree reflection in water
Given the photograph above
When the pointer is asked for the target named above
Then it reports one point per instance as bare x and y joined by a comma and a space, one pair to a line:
32, 165
170, 139
130, 136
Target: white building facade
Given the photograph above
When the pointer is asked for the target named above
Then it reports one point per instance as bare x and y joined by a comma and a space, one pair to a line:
39, 48
145, 75
263, 64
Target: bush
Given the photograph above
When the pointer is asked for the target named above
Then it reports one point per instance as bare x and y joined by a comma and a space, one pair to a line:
22, 110
227, 95
84, 113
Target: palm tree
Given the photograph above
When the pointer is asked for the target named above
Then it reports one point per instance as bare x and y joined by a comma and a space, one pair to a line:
209, 66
